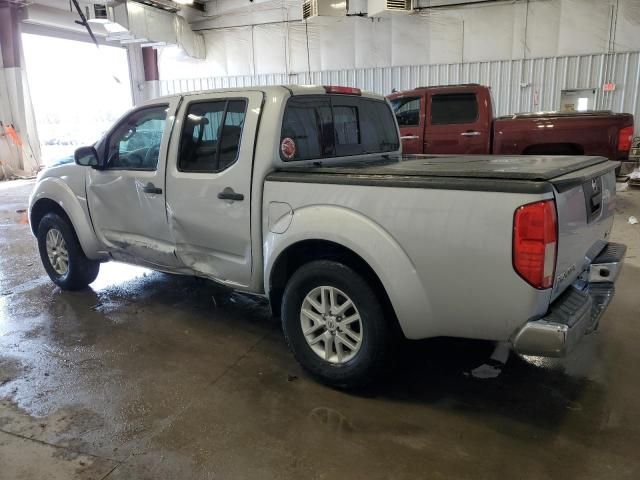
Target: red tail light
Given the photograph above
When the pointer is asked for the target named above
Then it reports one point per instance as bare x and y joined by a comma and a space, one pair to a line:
624, 138
342, 90
535, 243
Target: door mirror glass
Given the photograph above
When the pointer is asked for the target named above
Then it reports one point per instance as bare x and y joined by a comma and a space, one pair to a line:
86, 157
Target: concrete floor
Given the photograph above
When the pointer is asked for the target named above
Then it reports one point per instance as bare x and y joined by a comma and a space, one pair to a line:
151, 376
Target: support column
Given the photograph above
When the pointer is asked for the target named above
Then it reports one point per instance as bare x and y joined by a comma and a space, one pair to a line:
151, 74
19, 144
143, 69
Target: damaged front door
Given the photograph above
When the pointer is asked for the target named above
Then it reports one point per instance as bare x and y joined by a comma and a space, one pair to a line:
209, 184
127, 196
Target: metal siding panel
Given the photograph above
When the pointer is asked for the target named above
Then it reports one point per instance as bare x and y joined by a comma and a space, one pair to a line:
517, 85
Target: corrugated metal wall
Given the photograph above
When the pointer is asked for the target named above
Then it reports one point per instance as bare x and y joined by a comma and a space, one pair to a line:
517, 85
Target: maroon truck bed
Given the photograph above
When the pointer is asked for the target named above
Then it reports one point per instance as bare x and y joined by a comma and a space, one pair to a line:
582, 133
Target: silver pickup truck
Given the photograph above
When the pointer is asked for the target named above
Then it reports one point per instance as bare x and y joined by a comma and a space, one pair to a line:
301, 194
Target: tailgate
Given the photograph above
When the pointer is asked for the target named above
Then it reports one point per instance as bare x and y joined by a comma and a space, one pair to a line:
585, 207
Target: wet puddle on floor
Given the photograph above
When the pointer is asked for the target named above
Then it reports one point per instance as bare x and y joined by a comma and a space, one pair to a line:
113, 274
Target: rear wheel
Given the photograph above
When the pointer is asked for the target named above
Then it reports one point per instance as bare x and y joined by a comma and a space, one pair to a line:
62, 255
334, 324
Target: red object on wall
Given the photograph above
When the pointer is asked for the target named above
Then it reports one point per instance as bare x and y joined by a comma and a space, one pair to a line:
13, 135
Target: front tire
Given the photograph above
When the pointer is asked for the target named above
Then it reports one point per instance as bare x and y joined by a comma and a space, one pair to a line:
334, 323
62, 255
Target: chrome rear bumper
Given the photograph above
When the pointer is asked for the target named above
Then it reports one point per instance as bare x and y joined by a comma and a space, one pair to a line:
576, 312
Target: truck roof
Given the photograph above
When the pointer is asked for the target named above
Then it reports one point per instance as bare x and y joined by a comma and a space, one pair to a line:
270, 90
456, 85
420, 90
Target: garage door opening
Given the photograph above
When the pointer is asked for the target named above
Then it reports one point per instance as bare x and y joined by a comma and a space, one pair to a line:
75, 94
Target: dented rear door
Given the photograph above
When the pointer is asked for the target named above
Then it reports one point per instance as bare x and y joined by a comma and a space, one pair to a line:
209, 183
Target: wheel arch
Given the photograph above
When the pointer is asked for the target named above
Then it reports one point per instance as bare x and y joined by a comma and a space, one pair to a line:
43, 207
52, 195
305, 251
331, 232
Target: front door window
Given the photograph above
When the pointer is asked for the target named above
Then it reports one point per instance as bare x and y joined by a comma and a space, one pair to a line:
135, 143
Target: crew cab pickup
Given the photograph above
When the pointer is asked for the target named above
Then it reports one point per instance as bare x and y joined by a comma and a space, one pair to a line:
459, 119
301, 194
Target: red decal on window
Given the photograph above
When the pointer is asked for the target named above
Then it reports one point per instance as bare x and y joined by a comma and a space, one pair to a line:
288, 148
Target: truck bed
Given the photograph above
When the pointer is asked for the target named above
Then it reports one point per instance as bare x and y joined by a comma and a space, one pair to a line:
584, 210
517, 174
590, 113
592, 133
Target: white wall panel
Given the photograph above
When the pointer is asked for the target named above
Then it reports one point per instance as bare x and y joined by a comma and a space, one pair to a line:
337, 44
374, 43
488, 32
302, 59
585, 26
445, 39
409, 39
627, 35
542, 29
216, 52
517, 85
173, 62
526, 51
238, 44
270, 48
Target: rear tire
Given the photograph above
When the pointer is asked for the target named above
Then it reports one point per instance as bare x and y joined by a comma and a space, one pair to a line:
334, 323
62, 256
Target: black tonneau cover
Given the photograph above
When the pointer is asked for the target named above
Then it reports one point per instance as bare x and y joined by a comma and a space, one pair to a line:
526, 174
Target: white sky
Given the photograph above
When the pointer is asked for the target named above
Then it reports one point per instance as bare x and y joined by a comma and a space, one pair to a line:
75, 96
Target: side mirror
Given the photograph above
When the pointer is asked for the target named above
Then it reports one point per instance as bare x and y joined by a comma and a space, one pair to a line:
86, 157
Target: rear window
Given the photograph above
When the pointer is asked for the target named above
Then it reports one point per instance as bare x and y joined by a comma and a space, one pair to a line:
454, 108
327, 126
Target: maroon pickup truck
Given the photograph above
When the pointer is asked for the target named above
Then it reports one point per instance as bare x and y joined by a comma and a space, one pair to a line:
458, 119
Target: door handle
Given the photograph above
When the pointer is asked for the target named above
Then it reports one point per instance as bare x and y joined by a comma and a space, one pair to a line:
409, 137
151, 188
229, 194
470, 133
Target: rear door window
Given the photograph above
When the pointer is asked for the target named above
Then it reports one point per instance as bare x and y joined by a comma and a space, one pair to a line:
407, 110
451, 108
231, 133
326, 126
211, 135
